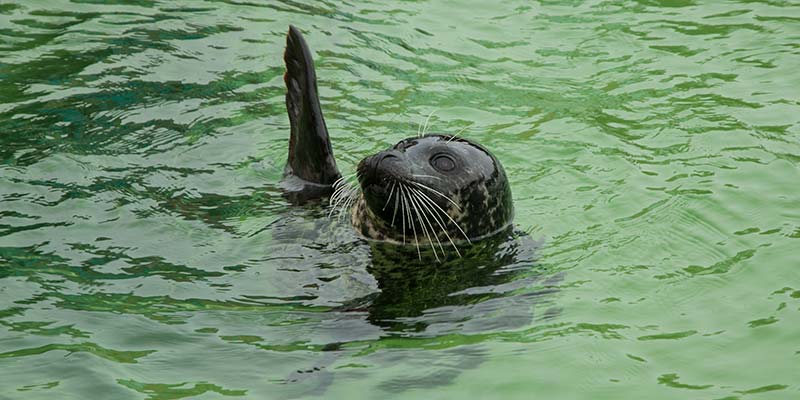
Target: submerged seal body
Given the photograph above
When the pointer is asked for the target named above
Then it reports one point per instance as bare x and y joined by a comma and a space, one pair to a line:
436, 191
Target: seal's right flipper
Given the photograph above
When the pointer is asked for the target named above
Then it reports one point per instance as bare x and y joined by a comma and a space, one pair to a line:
310, 169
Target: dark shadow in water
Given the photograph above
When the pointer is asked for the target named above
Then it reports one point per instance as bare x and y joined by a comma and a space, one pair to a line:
489, 289
411, 284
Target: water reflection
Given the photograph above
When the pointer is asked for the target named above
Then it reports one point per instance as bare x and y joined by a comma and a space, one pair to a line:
496, 287
403, 291
415, 292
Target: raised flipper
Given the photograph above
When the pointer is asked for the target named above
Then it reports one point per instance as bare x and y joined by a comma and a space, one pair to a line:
311, 169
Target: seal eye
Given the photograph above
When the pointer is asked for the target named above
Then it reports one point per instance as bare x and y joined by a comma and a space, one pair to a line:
443, 162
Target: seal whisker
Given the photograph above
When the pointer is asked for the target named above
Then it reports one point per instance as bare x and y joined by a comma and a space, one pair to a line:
425, 176
422, 225
407, 210
343, 180
411, 221
433, 203
342, 199
391, 192
403, 213
339, 195
337, 186
335, 208
422, 221
396, 200
437, 192
417, 205
425, 128
457, 133
343, 210
436, 218
349, 203
342, 184
338, 182
336, 198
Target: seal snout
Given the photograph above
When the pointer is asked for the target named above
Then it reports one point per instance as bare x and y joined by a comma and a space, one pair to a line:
378, 169
377, 175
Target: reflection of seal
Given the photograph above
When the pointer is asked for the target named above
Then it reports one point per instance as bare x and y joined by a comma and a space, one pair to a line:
430, 190
439, 188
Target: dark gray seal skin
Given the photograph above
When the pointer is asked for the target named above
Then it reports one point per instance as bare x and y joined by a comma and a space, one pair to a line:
432, 191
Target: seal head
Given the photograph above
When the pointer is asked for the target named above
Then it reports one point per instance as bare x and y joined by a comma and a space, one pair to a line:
431, 190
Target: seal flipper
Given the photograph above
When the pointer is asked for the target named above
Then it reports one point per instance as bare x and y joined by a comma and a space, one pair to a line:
310, 169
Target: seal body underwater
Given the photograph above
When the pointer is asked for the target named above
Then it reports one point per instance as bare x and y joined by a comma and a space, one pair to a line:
429, 191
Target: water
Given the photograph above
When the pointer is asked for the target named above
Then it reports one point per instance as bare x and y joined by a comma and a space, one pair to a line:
652, 147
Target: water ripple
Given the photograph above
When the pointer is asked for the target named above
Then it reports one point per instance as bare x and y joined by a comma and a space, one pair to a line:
652, 144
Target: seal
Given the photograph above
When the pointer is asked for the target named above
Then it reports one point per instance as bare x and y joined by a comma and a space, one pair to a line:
428, 190
431, 192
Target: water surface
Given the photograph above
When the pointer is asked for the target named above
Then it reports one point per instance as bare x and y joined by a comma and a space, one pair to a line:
652, 147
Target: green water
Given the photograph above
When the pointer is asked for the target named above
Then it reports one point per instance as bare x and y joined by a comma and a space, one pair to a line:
146, 251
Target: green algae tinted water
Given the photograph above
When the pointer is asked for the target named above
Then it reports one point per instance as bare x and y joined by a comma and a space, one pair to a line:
146, 252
